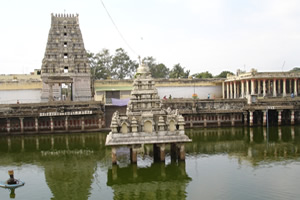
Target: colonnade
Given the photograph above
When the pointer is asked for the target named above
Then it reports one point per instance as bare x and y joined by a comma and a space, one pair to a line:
275, 87
177, 152
50, 124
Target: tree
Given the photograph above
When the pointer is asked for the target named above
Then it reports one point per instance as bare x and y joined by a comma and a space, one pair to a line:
179, 72
122, 66
100, 64
157, 70
223, 74
295, 69
203, 75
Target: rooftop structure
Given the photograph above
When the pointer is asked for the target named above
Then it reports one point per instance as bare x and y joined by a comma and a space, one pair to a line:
261, 84
146, 122
65, 68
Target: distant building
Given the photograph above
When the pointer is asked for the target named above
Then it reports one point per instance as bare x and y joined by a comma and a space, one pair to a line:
261, 84
65, 67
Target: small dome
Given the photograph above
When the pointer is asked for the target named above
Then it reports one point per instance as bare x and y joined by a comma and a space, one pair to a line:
143, 69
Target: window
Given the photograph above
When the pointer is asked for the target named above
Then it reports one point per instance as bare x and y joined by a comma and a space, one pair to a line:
65, 55
65, 44
66, 69
65, 34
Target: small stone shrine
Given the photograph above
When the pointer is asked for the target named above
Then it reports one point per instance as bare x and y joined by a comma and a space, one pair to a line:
146, 122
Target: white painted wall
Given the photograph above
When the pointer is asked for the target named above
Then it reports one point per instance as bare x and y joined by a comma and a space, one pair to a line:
24, 96
187, 92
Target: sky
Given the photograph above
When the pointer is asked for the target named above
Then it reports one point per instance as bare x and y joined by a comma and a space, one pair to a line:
201, 35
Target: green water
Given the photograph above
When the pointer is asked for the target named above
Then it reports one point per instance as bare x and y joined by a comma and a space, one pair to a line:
225, 163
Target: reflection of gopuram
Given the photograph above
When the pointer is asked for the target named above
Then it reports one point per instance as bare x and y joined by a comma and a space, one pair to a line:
146, 123
155, 182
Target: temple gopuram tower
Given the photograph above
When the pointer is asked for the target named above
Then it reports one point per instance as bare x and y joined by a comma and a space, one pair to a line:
146, 122
65, 67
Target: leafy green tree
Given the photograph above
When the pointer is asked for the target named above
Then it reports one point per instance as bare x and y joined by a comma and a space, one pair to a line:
295, 69
179, 72
203, 75
122, 66
223, 74
157, 70
100, 64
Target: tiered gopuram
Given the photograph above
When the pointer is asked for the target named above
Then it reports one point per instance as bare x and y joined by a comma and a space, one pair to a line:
146, 122
65, 68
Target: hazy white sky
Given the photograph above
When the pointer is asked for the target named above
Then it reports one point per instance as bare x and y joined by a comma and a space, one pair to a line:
201, 35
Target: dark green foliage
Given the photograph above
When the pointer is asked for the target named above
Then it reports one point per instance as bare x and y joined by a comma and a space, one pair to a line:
203, 75
223, 74
157, 70
179, 72
295, 69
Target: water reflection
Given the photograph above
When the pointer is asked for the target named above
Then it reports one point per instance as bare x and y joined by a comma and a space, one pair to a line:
159, 181
70, 163
252, 144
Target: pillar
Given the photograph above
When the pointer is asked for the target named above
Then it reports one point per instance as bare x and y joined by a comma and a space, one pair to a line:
292, 117
252, 86
265, 117
181, 152
114, 155
36, 120
264, 87
8, 125
69, 91
234, 88
247, 87
284, 88
251, 118
258, 87
269, 86
66, 123
279, 117
227, 90
82, 123
274, 88
205, 121
22, 124
51, 92
238, 87
290, 85
295, 87
162, 152
243, 89
279, 87
51, 124
231, 91
223, 90
133, 155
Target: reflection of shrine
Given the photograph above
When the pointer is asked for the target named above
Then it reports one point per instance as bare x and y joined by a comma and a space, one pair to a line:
68, 160
159, 181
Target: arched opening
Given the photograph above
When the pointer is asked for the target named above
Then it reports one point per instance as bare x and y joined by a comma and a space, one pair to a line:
172, 126
148, 127
124, 128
